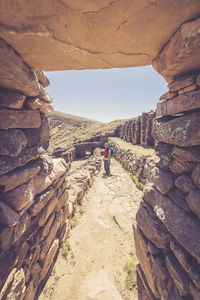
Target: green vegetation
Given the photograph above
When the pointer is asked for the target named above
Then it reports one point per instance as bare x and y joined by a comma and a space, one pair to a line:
65, 249
74, 221
136, 178
130, 269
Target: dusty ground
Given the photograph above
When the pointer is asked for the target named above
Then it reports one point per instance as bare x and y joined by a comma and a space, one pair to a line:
101, 243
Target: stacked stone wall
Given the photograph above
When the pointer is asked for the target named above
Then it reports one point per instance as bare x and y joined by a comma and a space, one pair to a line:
37, 195
167, 235
138, 130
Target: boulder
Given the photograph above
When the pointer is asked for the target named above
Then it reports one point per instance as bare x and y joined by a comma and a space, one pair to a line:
44, 96
193, 200
178, 166
11, 99
8, 217
163, 151
15, 74
179, 223
186, 154
43, 79
178, 197
179, 104
19, 176
12, 142
19, 118
196, 175
182, 131
7, 163
184, 183
37, 104
181, 53
163, 181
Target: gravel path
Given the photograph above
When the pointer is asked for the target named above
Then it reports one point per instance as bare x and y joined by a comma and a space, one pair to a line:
100, 243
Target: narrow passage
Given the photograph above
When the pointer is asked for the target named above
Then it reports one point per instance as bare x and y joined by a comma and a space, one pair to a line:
101, 243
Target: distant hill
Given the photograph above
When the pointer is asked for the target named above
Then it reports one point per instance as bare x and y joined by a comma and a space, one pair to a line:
68, 129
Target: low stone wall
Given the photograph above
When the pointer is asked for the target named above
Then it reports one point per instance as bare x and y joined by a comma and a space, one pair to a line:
133, 160
167, 235
138, 130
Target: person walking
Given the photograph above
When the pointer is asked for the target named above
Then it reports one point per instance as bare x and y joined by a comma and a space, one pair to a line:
107, 158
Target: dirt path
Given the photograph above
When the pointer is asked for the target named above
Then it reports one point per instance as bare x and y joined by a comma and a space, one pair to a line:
101, 243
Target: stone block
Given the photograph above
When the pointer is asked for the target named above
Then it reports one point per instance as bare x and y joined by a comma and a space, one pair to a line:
8, 163
181, 131
40, 135
5, 237
22, 254
30, 292
168, 95
19, 118
15, 74
36, 272
19, 176
37, 104
144, 291
152, 228
47, 210
198, 80
47, 226
11, 99
185, 260
43, 95
186, 154
182, 82
179, 104
12, 142
179, 199
48, 260
178, 166
196, 175
43, 79
8, 217
187, 89
179, 223
163, 150
194, 292
163, 181
184, 183
181, 53
193, 200
61, 201
21, 227
178, 275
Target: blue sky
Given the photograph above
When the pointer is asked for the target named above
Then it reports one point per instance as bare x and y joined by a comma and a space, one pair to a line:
106, 95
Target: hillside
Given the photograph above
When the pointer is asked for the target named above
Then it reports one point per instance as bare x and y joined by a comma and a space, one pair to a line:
68, 129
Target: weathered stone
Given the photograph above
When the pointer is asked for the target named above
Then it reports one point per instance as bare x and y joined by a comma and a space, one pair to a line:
196, 175
182, 82
32, 256
44, 96
21, 227
8, 164
193, 200
151, 226
46, 263
186, 154
178, 222
163, 181
186, 262
19, 118
12, 142
22, 254
153, 268
43, 79
181, 53
178, 275
178, 166
21, 196
147, 295
27, 273
49, 239
164, 152
13, 286
187, 89
40, 135
179, 199
47, 226
198, 80
182, 131
184, 183
180, 104
46, 164
48, 209
195, 292
5, 237
37, 104
19, 176
11, 99
41, 200
168, 95
36, 271
30, 292
15, 74
8, 217
61, 201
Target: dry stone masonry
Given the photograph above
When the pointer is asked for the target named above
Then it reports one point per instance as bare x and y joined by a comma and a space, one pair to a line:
37, 195
167, 235
138, 130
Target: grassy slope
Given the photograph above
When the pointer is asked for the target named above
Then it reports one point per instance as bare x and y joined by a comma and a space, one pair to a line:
67, 129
